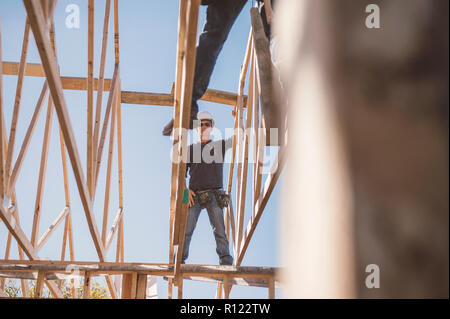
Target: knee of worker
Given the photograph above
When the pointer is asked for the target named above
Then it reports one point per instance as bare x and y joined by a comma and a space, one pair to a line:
210, 43
217, 223
189, 232
216, 215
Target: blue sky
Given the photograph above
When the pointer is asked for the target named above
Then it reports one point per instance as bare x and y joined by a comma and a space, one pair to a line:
148, 36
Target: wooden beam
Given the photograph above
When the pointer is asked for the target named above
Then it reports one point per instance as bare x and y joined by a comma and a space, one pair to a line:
111, 286
240, 102
180, 289
32, 275
4, 137
219, 290
226, 287
64, 243
64, 167
141, 286
71, 251
249, 282
259, 142
17, 100
119, 146
42, 171
119, 242
269, 103
39, 284
116, 31
87, 285
269, 185
24, 285
68, 82
2, 128
155, 269
27, 139
7, 251
101, 77
90, 100
35, 15
182, 22
108, 171
240, 130
185, 109
170, 288
232, 225
128, 97
11, 223
51, 229
129, 283
181, 210
25, 244
31, 69
113, 229
143, 98
271, 288
161, 99
222, 97
244, 166
80, 84
109, 106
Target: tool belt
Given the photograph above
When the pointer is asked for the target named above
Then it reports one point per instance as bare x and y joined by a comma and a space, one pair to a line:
204, 197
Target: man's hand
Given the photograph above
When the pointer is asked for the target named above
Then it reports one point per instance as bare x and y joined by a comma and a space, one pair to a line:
191, 198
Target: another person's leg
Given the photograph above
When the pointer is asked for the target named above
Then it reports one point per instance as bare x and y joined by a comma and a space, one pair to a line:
220, 17
191, 222
215, 214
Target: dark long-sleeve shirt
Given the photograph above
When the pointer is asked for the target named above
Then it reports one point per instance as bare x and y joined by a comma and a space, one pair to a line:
205, 164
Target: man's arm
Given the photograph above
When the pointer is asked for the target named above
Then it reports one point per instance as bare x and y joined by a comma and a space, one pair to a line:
228, 143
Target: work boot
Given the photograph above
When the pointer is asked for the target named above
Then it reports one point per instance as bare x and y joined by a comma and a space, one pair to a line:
167, 130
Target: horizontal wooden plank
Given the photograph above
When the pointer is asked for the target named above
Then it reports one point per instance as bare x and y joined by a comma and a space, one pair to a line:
9, 266
251, 282
69, 82
147, 98
128, 97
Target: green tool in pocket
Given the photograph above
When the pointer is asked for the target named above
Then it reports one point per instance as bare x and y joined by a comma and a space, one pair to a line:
186, 196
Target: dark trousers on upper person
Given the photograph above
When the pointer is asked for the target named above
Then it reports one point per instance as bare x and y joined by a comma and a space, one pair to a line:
220, 17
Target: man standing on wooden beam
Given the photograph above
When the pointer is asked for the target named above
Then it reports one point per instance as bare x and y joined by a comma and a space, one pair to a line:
205, 166
220, 17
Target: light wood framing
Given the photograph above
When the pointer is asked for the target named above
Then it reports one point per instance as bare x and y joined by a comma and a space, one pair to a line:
39, 26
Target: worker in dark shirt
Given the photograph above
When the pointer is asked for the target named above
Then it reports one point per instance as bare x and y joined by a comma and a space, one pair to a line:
220, 17
205, 166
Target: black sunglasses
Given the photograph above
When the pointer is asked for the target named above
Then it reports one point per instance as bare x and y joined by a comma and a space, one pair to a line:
207, 124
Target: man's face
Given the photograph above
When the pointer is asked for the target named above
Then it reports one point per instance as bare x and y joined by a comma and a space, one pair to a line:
205, 129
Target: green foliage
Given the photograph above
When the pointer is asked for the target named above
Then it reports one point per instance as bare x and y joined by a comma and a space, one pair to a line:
13, 289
